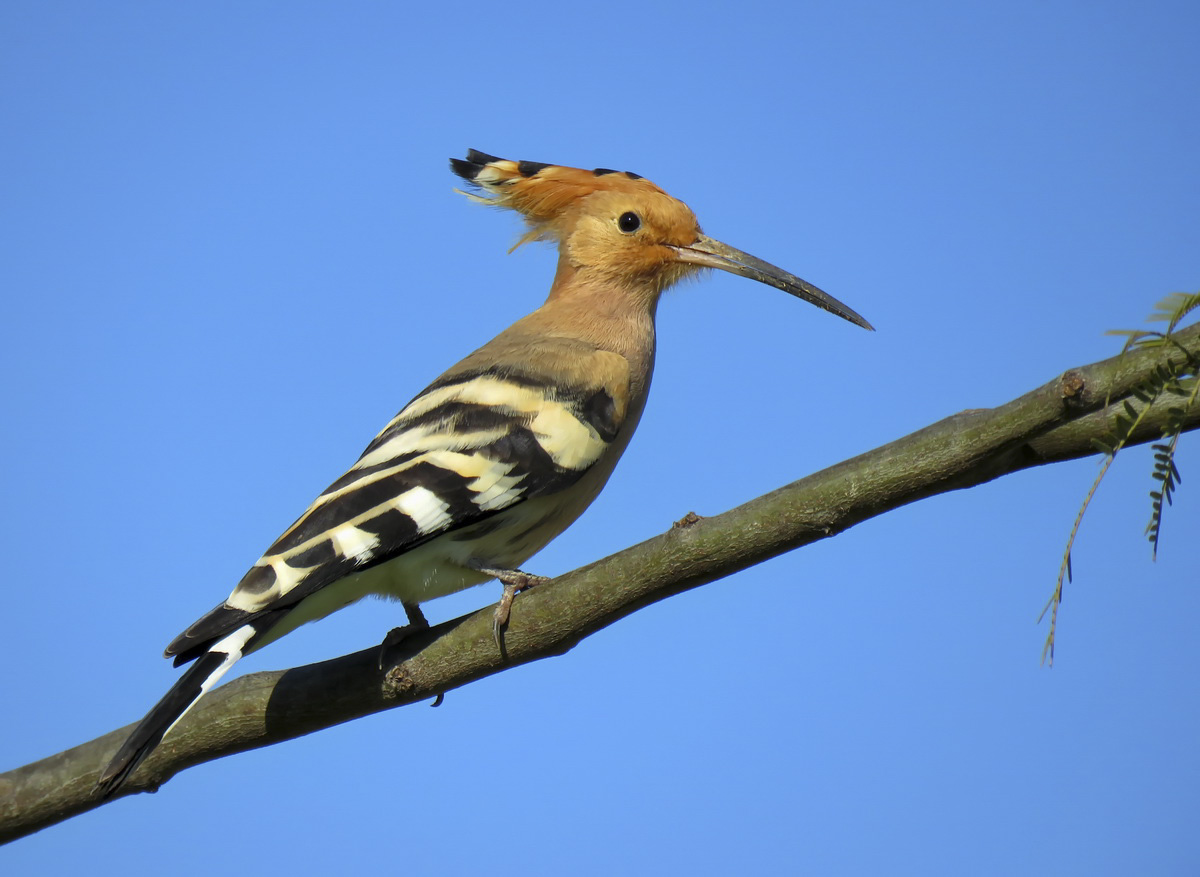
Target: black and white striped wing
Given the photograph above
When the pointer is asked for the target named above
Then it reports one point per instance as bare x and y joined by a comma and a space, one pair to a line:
467, 448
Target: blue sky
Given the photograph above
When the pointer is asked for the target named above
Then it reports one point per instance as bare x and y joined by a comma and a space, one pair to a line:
231, 252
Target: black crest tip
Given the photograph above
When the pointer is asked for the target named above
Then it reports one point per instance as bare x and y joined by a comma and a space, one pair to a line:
465, 169
477, 157
601, 171
529, 168
468, 168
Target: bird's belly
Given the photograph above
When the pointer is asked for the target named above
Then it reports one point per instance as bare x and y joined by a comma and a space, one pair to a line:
447, 563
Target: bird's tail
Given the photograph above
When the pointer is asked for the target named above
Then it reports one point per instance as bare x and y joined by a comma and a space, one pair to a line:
209, 667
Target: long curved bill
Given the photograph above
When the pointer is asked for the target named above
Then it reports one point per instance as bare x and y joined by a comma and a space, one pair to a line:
708, 253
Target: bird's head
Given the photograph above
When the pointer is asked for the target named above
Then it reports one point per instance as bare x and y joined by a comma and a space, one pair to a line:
620, 227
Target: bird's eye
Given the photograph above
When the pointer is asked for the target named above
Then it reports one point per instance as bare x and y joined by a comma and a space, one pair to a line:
629, 222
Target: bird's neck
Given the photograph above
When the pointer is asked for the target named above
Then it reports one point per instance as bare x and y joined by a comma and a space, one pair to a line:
607, 315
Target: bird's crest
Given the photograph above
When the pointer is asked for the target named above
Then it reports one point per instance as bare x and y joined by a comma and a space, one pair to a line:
545, 194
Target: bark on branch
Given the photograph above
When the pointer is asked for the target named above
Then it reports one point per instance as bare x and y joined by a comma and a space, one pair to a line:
1052, 423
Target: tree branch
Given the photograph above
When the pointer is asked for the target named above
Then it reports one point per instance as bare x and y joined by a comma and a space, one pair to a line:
1053, 423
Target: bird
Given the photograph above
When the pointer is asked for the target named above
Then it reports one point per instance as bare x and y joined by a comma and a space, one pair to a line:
495, 458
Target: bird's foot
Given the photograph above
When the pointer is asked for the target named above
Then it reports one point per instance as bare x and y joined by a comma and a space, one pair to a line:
514, 581
416, 624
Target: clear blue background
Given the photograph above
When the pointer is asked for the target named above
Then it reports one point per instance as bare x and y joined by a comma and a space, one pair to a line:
231, 252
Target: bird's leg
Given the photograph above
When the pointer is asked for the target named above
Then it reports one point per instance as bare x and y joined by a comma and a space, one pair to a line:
397, 635
514, 581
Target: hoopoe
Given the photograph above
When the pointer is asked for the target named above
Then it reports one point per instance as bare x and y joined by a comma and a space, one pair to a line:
502, 452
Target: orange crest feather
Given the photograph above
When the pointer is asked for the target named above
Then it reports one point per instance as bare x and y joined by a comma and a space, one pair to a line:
543, 193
